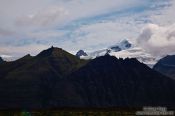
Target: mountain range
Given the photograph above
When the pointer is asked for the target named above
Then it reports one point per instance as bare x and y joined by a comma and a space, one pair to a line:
123, 49
55, 78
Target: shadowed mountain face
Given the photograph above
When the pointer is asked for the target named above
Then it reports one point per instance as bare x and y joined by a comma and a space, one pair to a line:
55, 78
1, 60
81, 53
166, 66
108, 82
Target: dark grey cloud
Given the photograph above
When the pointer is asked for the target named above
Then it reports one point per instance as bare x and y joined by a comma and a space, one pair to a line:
4, 32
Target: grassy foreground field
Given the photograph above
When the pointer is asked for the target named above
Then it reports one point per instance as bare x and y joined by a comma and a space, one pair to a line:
73, 112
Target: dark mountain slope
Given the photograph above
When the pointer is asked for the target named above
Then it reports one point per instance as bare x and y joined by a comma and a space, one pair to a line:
28, 82
7, 67
1, 60
166, 66
110, 82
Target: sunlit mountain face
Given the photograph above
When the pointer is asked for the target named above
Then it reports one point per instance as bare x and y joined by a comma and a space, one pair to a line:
31, 26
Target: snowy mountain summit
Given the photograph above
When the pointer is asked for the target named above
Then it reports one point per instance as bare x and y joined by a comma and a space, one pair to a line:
123, 49
123, 45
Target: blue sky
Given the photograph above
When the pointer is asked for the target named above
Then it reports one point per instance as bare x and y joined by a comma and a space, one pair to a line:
31, 26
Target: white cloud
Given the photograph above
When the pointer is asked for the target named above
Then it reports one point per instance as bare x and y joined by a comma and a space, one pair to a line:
76, 24
103, 34
19, 51
158, 40
46, 35
166, 15
45, 17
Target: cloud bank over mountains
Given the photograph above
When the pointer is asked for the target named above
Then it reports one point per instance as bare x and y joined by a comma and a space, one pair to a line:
158, 40
31, 26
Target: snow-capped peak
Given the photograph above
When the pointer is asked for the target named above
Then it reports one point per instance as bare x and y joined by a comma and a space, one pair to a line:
123, 49
123, 45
